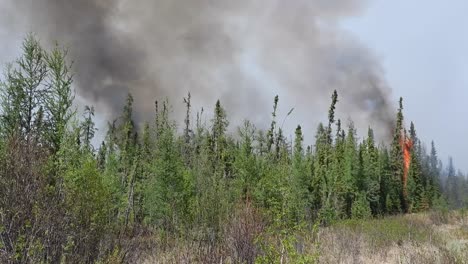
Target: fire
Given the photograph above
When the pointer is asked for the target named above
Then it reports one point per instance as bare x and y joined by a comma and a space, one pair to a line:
406, 144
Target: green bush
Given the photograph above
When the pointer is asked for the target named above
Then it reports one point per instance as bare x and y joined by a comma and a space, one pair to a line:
440, 211
288, 245
361, 208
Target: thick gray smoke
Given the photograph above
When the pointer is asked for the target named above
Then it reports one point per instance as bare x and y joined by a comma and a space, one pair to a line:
243, 52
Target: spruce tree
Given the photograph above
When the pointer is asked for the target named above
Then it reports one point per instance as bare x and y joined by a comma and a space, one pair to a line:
245, 164
451, 185
416, 193
219, 140
434, 172
301, 181
271, 132
371, 172
351, 171
87, 129
395, 200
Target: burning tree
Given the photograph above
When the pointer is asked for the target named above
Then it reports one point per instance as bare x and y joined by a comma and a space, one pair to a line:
408, 181
396, 197
406, 144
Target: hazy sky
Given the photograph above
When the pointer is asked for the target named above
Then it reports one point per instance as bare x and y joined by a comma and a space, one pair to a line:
423, 48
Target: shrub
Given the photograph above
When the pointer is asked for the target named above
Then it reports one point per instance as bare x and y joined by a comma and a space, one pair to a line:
361, 208
246, 225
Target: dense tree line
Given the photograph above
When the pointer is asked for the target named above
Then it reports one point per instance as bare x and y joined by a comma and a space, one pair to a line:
455, 186
64, 199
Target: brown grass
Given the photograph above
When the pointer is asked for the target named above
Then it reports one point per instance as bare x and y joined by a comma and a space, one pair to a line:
415, 238
400, 239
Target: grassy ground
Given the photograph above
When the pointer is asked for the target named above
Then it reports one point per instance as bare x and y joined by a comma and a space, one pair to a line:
433, 237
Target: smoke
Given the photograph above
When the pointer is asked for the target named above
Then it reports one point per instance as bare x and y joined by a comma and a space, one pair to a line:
242, 52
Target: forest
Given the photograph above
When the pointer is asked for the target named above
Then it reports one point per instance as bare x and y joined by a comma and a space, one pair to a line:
242, 196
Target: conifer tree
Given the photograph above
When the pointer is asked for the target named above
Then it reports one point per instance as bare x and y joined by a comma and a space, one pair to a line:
325, 164
23, 91
301, 181
434, 172
88, 127
187, 137
351, 171
245, 167
219, 140
386, 177
451, 185
371, 172
416, 192
320, 167
59, 97
271, 133
395, 200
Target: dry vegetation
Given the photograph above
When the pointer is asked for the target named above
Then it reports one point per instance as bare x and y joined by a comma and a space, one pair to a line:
434, 237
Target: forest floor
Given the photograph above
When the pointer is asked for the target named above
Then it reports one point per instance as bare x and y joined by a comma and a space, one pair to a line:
433, 237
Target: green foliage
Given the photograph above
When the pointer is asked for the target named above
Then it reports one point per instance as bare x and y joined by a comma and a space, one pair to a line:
384, 232
23, 91
361, 208
286, 245
65, 199
440, 211
59, 97
165, 202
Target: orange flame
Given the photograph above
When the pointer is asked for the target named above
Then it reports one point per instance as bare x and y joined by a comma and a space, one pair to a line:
406, 145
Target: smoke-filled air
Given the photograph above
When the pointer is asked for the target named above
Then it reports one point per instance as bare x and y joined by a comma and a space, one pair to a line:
299, 156
241, 52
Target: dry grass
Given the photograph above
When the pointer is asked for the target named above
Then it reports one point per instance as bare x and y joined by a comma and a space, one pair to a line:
416, 238
401, 239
